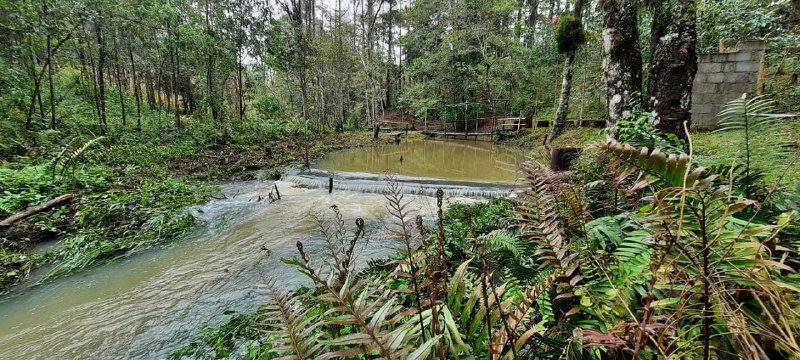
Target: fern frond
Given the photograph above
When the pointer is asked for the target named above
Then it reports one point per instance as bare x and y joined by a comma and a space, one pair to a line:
670, 169
294, 328
71, 158
517, 314
749, 113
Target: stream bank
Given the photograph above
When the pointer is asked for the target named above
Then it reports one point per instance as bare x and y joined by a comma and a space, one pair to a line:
144, 306
129, 194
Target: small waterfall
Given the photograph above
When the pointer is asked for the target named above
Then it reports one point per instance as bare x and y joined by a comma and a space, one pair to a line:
376, 184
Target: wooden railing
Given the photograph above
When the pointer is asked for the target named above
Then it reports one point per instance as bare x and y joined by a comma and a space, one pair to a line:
475, 127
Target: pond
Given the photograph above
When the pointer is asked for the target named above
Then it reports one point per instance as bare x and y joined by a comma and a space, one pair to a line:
455, 160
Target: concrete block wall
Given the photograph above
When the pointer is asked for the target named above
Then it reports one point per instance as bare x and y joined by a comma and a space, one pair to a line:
724, 76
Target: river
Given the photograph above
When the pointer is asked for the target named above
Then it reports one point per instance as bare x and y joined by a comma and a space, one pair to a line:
155, 300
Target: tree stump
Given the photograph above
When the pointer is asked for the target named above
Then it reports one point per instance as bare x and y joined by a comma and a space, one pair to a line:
562, 158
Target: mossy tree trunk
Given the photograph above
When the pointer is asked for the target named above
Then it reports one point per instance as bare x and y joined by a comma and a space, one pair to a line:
622, 59
673, 63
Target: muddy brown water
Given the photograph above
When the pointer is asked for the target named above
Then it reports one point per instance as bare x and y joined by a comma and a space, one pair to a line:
455, 160
153, 301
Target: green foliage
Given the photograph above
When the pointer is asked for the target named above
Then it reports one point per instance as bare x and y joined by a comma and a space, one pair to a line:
269, 106
232, 339
29, 185
753, 116
486, 217
673, 170
638, 130
552, 282
111, 224
569, 34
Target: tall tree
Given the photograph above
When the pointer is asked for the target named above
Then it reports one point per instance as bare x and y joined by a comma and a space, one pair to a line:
118, 76
390, 55
533, 13
49, 59
101, 64
211, 96
572, 40
622, 59
673, 63
136, 89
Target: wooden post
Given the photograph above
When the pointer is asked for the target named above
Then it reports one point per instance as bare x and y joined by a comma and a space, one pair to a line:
330, 185
426, 120
466, 124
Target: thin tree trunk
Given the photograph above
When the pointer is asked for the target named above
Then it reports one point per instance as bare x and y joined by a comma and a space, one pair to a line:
173, 56
50, 71
239, 83
39, 98
89, 74
390, 62
566, 83
136, 91
530, 39
93, 68
101, 61
119, 83
212, 100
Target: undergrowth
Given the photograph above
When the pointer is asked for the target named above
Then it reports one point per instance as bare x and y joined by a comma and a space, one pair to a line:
130, 186
641, 254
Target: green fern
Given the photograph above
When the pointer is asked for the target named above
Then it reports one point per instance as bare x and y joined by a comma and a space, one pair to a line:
294, 329
756, 114
671, 169
68, 159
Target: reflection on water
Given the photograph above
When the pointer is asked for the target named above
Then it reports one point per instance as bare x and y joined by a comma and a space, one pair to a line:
460, 160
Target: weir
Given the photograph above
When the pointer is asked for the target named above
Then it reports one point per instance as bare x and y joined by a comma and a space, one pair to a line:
376, 184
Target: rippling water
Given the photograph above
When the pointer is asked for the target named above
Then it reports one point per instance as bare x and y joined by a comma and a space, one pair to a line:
146, 305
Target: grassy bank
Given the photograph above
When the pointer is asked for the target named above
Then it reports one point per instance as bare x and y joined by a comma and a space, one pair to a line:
774, 152
130, 187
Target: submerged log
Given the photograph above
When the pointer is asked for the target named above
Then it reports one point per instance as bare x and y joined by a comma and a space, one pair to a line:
58, 201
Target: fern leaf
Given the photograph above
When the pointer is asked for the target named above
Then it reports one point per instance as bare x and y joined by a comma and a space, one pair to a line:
519, 312
294, 327
670, 169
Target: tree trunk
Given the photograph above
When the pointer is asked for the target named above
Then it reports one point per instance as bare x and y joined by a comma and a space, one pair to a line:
239, 81
31, 109
175, 76
530, 37
212, 99
136, 91
93, 68
390, 62
673, 63
50, 71
101, 62
119, 83
622, 60
566, 83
